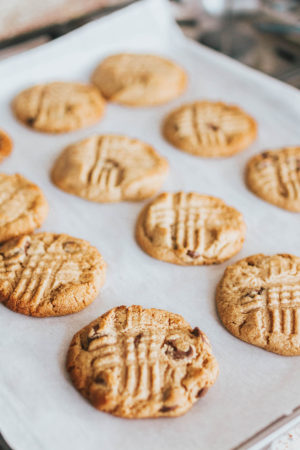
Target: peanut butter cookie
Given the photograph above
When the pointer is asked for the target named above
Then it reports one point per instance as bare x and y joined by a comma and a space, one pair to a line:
48, 274
136, 363
258, 301
190, 229
110, 168
275, 177
59, 107
23, 207
210, 129
6, 145
139, 80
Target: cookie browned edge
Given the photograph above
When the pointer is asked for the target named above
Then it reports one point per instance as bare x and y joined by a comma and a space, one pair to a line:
6, 145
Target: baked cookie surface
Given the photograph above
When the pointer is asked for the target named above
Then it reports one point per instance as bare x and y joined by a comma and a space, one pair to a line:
274, 176
258, 301
209, 129
190, 229
6, 145
59, 107
137, 363
139, 80
23, 207
48, 274
110, 168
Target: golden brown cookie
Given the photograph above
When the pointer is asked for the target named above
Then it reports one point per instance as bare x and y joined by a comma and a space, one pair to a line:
23, 207
275, 177
139, 80
190, 229
136, 363
59, 107
48, 274
258, 301
6, 145
110, 168
210, 129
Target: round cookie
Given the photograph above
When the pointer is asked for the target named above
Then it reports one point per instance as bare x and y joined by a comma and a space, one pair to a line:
137, 363
139, 80
190, 229
23, 207
258, 301
48, 274
210, 129
59, 107
6, 145
275, 177
110, 168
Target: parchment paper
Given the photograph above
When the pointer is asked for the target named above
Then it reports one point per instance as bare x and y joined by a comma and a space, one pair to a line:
39, 408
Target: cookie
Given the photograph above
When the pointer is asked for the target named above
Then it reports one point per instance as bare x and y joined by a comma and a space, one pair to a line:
6, 145
275, 177
139, 80
23, 207
136, 363
190, 229
59, 107
210, 129
258, 301
48, 274
110, 168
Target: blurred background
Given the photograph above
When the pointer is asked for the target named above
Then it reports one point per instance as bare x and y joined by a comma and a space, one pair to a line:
264, 34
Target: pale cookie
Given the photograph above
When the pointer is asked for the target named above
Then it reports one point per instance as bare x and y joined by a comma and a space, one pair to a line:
190, 229
258, 301
23, 207
59, 107
110, 168
210, 129
275, 177
6, 145
137, 363
139, 80
48, 274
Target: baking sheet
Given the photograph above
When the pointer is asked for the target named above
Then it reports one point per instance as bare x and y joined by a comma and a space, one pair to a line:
39, 407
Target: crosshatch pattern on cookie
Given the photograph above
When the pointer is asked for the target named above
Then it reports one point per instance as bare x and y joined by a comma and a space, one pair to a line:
268, 303
209, 129
110, 168
275, 176
46, 274
142, 363
193, 223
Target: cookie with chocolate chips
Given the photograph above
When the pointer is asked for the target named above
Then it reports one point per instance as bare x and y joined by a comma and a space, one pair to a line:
136, 363
59, 107
210, 129
190, 229
274, 176
48, 274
